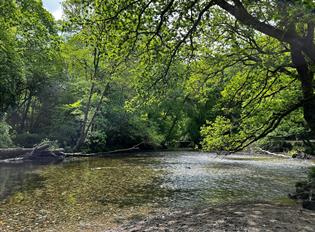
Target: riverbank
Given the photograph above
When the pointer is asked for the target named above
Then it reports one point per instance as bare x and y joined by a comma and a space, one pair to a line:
245, 217
233, 217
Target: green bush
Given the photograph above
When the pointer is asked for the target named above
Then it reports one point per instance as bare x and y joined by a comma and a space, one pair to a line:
5, 138
96, 141
28, 139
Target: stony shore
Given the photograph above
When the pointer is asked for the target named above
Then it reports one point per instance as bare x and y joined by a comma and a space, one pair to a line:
238, 217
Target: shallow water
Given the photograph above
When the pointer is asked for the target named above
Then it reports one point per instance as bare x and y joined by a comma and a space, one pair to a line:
116, 189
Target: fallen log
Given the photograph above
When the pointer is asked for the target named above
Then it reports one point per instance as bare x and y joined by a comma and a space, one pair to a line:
36, 153
124, 150
8, 153
271, 153
44, 157
130, 149
40, 148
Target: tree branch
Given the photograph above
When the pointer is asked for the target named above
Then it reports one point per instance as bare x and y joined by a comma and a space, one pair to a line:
241, 14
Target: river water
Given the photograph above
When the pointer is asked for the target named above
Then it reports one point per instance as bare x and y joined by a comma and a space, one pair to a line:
113, 190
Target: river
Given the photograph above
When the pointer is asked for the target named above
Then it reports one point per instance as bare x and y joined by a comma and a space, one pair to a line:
110, 191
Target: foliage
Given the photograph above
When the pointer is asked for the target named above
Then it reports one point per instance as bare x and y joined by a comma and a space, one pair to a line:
5, 137
217, 135
225, 74
11, 73
27, 139
53, 145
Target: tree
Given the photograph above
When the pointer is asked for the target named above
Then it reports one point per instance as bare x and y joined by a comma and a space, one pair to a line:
174, 30
11, 72
98, 62
245, 65
32, 76
297, 32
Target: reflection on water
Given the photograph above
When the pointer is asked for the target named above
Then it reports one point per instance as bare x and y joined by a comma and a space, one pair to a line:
17, 177
109, 190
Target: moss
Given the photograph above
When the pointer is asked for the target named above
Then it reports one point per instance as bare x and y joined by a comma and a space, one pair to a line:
285, 201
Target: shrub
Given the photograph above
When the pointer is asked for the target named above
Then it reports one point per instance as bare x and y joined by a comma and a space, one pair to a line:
5, 138
28, 139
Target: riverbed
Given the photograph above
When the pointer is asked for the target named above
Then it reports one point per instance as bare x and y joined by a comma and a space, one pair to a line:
121, 193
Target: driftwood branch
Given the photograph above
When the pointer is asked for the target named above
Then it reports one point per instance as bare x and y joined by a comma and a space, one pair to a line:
271, 153
11, 153
125, 150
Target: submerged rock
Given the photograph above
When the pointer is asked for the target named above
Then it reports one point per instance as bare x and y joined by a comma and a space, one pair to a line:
309, 204
305, 191
301, 155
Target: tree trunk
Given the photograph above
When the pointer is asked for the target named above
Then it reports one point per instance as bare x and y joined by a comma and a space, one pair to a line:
25, 113
306, 77
169, 134
85, 125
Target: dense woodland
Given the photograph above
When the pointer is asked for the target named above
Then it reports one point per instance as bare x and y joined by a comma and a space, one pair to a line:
217, 75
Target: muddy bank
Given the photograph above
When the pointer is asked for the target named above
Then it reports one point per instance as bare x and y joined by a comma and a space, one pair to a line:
234, 217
